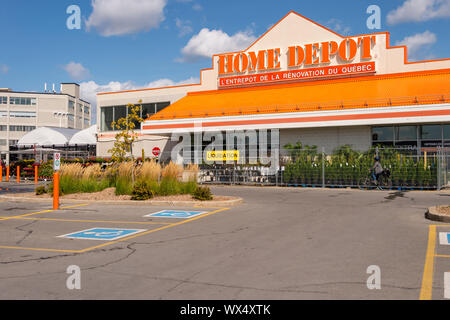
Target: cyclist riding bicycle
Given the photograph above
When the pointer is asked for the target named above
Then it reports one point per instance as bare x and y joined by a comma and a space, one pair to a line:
377, 170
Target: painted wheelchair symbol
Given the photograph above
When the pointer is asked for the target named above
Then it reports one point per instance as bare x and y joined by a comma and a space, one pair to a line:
102, 234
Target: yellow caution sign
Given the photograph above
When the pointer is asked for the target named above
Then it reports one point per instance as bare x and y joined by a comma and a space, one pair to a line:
226, 155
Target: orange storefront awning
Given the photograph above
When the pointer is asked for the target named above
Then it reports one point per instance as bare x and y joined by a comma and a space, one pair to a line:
426, 87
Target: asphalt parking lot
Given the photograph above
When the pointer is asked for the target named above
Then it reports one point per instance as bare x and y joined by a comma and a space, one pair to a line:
279, 244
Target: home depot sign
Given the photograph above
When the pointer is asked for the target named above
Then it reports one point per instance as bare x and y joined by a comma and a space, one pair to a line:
308, 57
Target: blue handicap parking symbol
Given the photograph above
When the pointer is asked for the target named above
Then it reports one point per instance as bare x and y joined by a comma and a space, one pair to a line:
181, 214
444, 238
102, 234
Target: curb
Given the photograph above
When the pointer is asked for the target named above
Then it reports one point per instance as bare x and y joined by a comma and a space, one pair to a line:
433, 214
224, 203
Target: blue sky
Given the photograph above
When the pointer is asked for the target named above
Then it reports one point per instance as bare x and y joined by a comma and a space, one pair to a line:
128, 44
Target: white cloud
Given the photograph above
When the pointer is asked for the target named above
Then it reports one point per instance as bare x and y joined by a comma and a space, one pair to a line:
184, 27
89, 89
4, 69
418, 44
209, 42
77, 71
419, 10
120, 17
338, 26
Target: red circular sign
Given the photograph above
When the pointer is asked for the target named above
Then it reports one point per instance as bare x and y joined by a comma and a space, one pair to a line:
156, 151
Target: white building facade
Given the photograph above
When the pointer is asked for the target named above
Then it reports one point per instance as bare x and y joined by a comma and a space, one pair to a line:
22, 112
310, 83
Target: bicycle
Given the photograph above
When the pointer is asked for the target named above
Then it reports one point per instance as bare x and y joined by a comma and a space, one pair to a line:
384, 180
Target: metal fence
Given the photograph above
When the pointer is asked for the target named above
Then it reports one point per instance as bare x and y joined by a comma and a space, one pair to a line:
403, 169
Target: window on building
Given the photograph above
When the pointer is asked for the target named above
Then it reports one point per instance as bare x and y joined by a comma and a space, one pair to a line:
3, 128
3, 114
120, 112
106, 118
70, 117
406, 133
71, 105
446, 131
22, 101
86, 109
86, 122
22, 128
2, 142
431, 132
383, 134
161, 106
3, 100
23, 114
13, 142
80, 108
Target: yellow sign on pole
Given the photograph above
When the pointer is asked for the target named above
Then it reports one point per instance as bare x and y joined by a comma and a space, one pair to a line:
225, 155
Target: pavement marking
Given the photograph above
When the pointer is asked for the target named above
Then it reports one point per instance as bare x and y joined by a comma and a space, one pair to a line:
39, 249
103, 234
155, 230
111, 242
447, 285
175, 214
427, 280
92, 221
442, 256
40, 212
444, 238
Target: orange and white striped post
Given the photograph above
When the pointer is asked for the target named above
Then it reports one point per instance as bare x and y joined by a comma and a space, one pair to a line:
56, 191
18, 174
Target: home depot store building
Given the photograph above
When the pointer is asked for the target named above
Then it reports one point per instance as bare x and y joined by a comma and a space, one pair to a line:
309, 82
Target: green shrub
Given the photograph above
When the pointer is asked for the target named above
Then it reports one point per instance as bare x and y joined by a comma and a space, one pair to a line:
123, 186
202, 194
169, 187
41, 190
142, 190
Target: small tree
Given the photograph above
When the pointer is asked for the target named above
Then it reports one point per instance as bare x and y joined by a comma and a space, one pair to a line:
127, 136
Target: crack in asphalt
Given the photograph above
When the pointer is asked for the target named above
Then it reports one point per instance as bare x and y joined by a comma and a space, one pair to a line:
194, 236
59, 256
28, 232
187, 281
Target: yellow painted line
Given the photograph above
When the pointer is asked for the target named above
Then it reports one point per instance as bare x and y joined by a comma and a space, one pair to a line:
40, 212
154, 230
427, 280
112, 242
442, 256
99, 221
39, 249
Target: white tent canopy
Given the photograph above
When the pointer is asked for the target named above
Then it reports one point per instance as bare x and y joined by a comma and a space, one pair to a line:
48, 136
84, 137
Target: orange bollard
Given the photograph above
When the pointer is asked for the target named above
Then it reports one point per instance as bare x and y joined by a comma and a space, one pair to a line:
35, 174
7, 174
18, 174
56, 191
1, 173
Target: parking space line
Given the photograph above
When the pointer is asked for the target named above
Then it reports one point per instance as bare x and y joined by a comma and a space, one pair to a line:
92, 221
41, 212
154, 230
427, 280
442, 256
39, 249
110, 242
